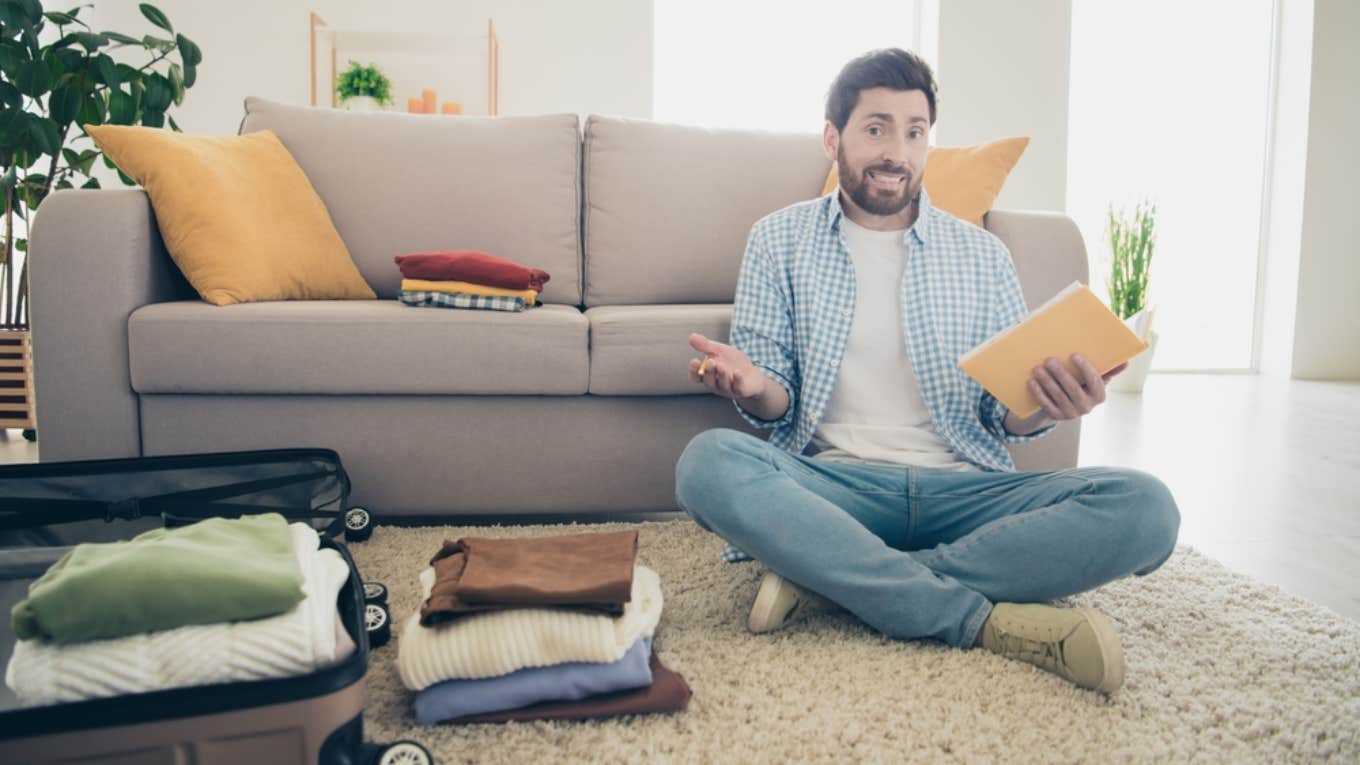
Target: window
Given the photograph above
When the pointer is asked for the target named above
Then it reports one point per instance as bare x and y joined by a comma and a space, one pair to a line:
761, 64
1169, 101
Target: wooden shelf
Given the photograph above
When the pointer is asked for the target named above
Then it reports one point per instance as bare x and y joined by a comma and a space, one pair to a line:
16, 379
368, 43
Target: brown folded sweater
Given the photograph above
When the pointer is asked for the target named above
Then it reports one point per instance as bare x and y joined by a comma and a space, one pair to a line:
668, 693
590, 572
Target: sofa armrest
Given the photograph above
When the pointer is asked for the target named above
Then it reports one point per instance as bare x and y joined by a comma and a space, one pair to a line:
97, 256
1049, 254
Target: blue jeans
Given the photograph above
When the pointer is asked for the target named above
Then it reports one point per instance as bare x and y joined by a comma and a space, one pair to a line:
920, 553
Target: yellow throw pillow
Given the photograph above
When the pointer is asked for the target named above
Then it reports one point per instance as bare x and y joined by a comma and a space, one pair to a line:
237, 214
965, 180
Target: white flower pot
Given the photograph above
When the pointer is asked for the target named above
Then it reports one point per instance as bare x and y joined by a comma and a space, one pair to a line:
1131, 380
361, 104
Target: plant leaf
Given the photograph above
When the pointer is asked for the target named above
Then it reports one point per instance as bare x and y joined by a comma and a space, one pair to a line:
93, 183
64, 103
151, 42
108, 71
154, 15
21, 245
92, 41
38, 132
174, 125
159, 93
34, 79
92, 110
16, 15
8, 180
12, 57
56, 17
190, 75
122, 108
153, 118
119, 37
189, 51
177, 83
13, 125
10, 95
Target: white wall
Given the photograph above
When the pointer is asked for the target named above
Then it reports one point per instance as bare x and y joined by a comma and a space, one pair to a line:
1289, 153
587, 56
1003, 71
1327, 322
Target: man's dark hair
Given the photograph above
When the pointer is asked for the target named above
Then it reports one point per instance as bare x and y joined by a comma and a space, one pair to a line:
884, 68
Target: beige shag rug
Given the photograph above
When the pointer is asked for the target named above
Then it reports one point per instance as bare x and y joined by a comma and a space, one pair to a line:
1221, 668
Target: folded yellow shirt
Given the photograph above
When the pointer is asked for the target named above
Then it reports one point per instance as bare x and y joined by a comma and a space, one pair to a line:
467, 288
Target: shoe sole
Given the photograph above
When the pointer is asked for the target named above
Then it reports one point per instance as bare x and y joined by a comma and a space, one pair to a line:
762, 615
1110, 649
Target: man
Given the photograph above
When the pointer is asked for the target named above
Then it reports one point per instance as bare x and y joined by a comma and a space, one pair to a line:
851, 313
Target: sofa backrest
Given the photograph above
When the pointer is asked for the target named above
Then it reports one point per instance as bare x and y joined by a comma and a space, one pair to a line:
668, 208
401, 183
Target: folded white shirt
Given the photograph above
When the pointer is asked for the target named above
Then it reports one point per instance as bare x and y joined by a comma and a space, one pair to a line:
306, 638
492, 643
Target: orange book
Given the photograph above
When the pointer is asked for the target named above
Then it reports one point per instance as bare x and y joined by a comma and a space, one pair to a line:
1074, 321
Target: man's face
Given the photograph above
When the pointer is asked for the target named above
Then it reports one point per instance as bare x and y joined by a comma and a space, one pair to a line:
881, 153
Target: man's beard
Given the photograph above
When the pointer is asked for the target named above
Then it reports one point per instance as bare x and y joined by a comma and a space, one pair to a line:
869, 199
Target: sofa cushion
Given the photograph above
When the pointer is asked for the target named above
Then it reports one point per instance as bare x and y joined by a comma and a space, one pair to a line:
376, 346
402, 183
237, 215
643, 350
668, 208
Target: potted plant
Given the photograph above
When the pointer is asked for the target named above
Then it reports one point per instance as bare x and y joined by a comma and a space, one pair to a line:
47, 94
1132, 241
363, 88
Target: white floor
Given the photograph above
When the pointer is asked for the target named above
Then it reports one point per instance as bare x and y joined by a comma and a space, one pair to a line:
1266, 472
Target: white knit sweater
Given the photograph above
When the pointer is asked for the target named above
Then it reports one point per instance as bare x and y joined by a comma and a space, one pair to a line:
493, 643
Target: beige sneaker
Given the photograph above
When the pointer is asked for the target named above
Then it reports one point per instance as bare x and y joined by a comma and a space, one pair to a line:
1078, 644
779, 603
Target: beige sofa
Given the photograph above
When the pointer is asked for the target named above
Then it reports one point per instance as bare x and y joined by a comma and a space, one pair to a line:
581, 405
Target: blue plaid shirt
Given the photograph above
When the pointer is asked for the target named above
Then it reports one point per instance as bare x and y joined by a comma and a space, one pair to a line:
795, 302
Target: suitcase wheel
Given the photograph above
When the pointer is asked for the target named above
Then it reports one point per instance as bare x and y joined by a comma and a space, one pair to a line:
378, 623
375, 592
358, 524
404, 753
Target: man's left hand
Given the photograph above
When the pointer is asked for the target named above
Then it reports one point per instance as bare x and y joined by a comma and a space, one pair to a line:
1065, 397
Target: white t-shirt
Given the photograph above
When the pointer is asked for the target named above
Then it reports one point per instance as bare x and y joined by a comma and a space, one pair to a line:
876, 413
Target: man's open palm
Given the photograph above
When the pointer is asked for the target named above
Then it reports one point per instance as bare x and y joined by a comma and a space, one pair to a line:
724, 370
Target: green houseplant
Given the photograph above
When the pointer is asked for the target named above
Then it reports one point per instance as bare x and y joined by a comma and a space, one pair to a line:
1132, 239
49, 91
57, 74
362, 88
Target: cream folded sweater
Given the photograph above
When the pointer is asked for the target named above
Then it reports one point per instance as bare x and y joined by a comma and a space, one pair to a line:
493, 643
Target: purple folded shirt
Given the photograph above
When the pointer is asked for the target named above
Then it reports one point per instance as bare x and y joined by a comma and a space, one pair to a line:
558, 682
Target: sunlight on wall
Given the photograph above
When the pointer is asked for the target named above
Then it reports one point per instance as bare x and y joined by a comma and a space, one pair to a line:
1169, 101
763, 64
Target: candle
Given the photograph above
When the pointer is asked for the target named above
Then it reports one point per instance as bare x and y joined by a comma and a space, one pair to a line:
415, 105
429, 100
453, 107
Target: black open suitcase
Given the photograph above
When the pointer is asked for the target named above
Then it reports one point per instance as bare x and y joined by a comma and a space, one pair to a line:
315, 718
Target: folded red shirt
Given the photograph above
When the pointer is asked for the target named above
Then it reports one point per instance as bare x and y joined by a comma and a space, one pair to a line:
471, 266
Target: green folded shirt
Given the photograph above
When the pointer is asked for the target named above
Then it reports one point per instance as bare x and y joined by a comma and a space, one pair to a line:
217, 570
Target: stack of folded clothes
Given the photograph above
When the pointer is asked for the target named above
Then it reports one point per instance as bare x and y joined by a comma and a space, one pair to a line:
216, 602
468, 279
537, 629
